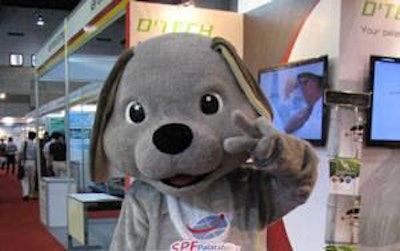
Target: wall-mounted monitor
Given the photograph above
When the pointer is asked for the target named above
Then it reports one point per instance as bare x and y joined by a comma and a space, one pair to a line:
383, 123
295, 92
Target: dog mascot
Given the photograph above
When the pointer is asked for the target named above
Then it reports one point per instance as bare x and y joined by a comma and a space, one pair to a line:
182, 114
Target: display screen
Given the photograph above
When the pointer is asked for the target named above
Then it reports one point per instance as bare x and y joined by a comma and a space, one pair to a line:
295, 92
384, 120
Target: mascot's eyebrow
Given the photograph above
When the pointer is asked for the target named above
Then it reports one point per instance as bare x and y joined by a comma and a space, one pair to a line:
243, 76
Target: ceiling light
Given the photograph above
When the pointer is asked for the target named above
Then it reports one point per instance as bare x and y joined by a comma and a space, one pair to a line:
84, 108
16, 59
3, 95
90, 29
33, 60
8, 120
40, 20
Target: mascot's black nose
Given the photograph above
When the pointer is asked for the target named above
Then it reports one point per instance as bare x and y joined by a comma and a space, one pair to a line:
173, 138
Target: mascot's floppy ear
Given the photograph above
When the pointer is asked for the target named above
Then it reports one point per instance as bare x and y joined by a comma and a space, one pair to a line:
98, 160
244, 78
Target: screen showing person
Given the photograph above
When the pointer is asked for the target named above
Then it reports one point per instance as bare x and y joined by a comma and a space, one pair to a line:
295, 92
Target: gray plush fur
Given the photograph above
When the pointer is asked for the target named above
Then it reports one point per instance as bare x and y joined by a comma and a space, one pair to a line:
168, 76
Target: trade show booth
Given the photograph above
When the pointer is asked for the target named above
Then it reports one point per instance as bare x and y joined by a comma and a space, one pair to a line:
71, 69
360, 39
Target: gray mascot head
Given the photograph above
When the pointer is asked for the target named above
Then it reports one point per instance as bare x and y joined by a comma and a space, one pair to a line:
166, 110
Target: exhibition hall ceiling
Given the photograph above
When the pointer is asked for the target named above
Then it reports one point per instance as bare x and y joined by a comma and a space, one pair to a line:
42, 4
64, 4
69, 5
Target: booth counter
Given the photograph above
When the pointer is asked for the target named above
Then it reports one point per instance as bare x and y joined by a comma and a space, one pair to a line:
53, 200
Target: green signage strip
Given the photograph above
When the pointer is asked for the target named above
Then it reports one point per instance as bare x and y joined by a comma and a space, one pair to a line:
150, 25
389, 10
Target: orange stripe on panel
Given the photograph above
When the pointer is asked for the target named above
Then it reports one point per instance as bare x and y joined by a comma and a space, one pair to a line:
296, 32
81, 36
277, 238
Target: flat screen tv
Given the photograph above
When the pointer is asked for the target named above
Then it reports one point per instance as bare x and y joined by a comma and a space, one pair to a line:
383, 123
295, 92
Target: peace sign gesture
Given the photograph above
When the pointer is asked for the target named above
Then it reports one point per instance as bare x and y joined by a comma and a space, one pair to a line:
291, 160
257, 139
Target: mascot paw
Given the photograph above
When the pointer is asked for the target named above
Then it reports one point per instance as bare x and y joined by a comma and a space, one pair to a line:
257, 139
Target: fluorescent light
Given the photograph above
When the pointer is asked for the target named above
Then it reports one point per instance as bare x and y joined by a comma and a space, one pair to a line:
84, 108
56, 114
8, 120
33, 60
40, 20
16, 59
90, 29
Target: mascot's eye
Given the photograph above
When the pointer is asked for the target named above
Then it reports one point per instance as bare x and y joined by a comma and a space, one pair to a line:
135, 112
210, 103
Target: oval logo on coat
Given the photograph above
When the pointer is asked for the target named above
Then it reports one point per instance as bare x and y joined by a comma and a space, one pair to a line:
210, 227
